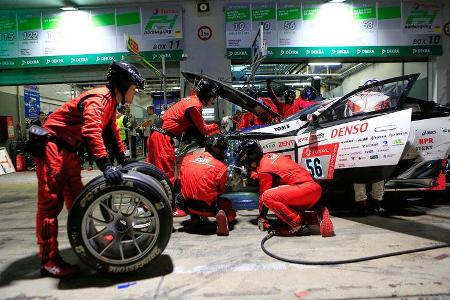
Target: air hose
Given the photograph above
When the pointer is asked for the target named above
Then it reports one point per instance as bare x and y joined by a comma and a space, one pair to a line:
343, 261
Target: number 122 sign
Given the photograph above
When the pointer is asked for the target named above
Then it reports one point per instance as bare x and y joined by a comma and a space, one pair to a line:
320, 160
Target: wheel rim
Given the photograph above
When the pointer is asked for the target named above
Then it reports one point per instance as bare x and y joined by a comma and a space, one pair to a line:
120, 227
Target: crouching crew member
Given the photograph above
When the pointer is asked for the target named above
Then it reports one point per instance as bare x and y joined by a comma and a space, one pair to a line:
183, 117
285, 187
203, 178
58, 167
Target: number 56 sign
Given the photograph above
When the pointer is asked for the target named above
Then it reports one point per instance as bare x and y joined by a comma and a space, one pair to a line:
320, 160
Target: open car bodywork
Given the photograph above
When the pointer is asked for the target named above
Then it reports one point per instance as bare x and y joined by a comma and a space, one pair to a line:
373, 133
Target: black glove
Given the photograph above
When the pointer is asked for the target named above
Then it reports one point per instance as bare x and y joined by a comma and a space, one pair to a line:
112, 174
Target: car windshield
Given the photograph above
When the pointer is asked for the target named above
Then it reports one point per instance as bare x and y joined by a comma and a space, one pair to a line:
373, 99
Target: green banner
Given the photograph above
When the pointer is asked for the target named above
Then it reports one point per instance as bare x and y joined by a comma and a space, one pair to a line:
362, 13
50, 22
288, 14
103, 20
240, 14
310, 13
7, 24
33, 23
340, 52
263, 14
128, 19
391, 12
88, 59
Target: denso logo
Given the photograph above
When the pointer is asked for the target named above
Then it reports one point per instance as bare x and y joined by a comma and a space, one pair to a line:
426, 141
348, 130
427, 132
282, 127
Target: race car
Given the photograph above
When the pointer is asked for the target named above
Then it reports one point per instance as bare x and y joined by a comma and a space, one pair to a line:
373, 133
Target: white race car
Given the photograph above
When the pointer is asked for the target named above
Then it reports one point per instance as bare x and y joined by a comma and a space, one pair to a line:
373, 133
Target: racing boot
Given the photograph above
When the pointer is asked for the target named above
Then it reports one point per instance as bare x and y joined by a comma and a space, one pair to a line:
178, 213
361, 208
293, 231
52, 263
378, 208
222, 223
326, 226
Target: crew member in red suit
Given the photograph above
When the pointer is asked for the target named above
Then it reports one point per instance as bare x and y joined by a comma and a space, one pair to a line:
183, 117
58, 170
287, 107
307, 98
203, 178
285, 188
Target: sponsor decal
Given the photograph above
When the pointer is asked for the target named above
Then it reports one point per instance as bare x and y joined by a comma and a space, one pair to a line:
361, 158
362, 139
426, 141
350, 148
424, 148
343, 159
370, 145
269, 146
427, 132
398, 142
383, 150
385, 143
282, 127
368, 151
375, 137
314, 136
388, 155
346, 141
341, 165
343, 154
303, 139
397, 134
374, 157
286, 143
349, 130
446, 130
356, 153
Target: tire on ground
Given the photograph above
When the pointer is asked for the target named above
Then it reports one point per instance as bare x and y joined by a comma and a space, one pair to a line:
137, 232
153, 171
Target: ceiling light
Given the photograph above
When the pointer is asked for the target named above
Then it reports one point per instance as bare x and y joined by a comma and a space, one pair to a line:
324, 64
69, 8
336, 1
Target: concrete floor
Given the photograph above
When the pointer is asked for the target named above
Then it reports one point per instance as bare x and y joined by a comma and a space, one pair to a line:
204, 266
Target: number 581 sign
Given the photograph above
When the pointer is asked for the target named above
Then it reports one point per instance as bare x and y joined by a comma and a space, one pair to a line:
320, 160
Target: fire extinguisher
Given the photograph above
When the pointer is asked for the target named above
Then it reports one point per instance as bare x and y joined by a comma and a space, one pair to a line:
20, 162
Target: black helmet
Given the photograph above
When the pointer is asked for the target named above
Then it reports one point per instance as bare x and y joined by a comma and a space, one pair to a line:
122, 75
289, 96
249, 151
251, 92
217, 145
121, 108
206, 89
309, 93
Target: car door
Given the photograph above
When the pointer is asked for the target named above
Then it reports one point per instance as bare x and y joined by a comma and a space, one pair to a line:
361, 137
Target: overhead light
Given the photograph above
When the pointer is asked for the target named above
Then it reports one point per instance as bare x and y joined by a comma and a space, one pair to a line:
336, 1
324, 64
69, 8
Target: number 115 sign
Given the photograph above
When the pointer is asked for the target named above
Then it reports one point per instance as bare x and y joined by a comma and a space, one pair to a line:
320, 160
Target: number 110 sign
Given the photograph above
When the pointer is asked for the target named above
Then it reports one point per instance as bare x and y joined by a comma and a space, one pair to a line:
320, 160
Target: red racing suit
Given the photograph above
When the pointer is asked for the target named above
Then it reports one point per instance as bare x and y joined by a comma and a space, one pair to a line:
301, 103
184, 116
286, 188
59, 176
247, 120
203, 179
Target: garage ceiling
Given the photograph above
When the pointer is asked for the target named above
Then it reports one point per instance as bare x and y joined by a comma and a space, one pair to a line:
21, 4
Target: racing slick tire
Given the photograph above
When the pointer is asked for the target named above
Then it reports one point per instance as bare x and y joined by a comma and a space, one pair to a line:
153, 171
134, 230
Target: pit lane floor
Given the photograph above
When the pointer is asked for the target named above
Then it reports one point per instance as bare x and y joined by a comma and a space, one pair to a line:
205, 266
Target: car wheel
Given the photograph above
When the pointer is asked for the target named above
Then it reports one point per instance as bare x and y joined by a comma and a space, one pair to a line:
120, 228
